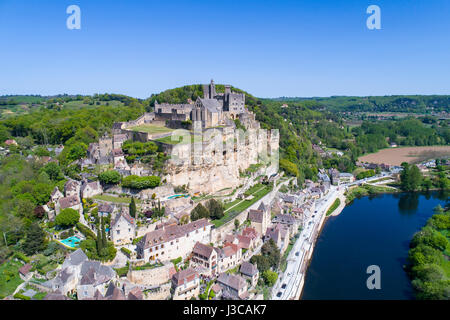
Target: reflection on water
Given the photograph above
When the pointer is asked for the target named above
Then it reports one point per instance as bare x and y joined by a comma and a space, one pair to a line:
372, 230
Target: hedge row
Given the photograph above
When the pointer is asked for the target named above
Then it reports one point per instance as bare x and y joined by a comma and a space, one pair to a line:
88, 233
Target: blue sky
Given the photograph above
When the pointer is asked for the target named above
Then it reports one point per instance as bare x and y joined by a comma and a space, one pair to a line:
268, 48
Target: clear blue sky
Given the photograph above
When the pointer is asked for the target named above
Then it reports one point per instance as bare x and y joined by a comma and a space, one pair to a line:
269, 48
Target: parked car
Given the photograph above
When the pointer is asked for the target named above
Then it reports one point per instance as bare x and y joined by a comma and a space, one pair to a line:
279, 294
283, 286
297, 253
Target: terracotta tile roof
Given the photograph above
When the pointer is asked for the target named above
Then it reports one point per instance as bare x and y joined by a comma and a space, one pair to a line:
24, 270
203, 250
184, 276
250, 232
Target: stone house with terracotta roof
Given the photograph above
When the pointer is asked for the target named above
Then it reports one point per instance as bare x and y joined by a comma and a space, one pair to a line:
205, 260
171, 242
186, 284
230, 256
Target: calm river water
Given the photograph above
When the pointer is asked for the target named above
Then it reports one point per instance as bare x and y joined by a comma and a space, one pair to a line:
370, 231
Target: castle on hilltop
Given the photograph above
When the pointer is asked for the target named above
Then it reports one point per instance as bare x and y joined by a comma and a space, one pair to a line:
214, 109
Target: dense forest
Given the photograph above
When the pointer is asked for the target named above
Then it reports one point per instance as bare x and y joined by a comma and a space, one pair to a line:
429, 265
410, 104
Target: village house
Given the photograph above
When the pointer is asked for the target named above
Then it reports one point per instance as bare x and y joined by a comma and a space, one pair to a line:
186, 284
233, 286
230, 256
56, 195
118, 140
260, 218
90, 189
173, 241
72, 202
334, 175
287, 220
105, 209
345, 177
123, 229
250, 271
94, 277
25, 272
280, 235
205, 260
72, 188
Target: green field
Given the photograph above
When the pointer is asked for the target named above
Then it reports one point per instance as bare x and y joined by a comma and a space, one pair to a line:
106, 197
9, 277
151, 128
334, 206
168, 140
241, 205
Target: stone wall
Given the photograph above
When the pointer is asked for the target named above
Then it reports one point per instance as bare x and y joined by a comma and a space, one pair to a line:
160, 293
151, 277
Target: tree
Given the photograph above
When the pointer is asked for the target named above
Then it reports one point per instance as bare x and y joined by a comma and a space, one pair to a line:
54, 171
199, 212
104, 240
215, 209
34, 240
270, 277
110, 177
99, 240
67, 217
236, 224
410, 177
132, 208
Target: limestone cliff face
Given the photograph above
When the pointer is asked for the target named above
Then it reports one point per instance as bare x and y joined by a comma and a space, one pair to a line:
212, 165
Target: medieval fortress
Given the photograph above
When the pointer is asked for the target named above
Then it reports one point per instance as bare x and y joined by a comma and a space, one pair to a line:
207, 150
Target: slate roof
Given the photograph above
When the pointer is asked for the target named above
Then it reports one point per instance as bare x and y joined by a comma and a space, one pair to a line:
75, 258
255, 215
171, 232
126, 216
105, 207
285, 219
68, 202
212, 105
248, 269
232, 281
114, 293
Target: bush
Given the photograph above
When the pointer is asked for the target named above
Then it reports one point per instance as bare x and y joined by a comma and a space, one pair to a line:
21, 296
270, 277
136, 182
21, 256
126, 251
88, 233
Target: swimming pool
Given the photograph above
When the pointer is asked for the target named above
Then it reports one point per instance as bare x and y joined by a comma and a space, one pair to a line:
73, 242
178, 196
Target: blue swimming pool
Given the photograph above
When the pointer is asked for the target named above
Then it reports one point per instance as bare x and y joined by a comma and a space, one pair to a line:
73, 242
178, 196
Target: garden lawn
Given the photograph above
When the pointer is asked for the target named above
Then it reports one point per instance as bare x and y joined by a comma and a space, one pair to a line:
151, 128
9, 277
106, 197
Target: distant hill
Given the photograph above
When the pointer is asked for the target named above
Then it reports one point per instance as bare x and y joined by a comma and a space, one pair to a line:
410, 104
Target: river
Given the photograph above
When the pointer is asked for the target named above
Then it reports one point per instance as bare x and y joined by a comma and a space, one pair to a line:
372, 230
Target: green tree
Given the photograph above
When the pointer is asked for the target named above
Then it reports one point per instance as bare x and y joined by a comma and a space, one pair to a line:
215, 209
110, 177
199, 212
34, 240
132, 208
67, 217
270, 277
54, 171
